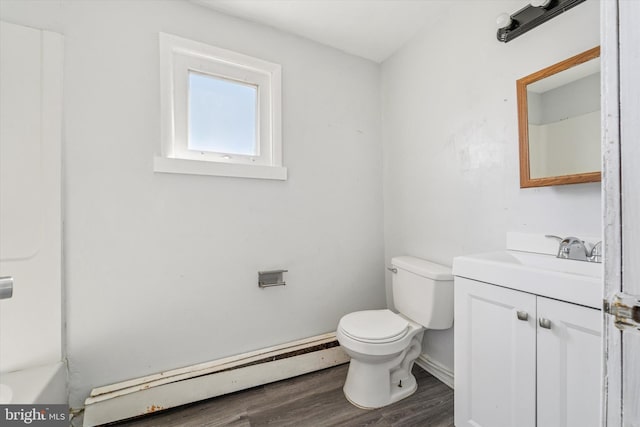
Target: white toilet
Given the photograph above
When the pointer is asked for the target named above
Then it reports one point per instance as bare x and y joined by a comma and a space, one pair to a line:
383, 345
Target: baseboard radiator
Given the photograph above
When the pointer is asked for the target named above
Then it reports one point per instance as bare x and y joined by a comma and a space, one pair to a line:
177, 387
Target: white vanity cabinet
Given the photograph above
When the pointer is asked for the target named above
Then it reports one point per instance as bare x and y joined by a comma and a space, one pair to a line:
524, 360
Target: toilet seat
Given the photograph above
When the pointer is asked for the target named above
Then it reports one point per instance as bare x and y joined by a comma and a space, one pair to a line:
374, 326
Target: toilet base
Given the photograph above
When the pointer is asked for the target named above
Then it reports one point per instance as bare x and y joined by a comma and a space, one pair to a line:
395, 397
374, 385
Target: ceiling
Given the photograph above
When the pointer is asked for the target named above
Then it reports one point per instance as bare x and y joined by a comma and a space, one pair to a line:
372, 29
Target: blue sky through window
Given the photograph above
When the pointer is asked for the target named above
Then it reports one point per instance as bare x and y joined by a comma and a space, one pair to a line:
222, 115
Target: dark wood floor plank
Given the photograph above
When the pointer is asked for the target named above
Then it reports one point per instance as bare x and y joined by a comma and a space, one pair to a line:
314, 400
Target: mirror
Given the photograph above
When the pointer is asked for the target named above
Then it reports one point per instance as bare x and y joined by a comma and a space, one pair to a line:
559, 122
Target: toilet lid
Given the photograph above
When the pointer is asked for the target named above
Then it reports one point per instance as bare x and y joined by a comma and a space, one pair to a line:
374, 326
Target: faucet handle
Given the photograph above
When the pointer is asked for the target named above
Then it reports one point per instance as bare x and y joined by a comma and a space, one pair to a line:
596, 253
571, 248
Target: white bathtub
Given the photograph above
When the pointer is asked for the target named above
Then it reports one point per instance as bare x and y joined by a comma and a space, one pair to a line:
41, 385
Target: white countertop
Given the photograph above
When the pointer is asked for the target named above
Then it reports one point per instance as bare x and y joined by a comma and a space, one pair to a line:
577, 282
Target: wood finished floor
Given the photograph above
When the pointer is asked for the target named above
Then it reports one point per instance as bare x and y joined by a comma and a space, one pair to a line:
313, 400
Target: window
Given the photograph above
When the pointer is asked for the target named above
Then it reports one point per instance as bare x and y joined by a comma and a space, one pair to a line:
220, 112
222, 116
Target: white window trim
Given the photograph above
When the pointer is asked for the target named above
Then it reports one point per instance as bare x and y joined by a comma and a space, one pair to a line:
178, 55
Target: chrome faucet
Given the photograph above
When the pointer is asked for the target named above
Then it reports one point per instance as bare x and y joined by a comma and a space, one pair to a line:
576, 249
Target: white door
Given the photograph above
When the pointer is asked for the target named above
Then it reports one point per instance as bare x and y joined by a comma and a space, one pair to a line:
495, 357
630, 168
568, 362
30, 218
621, 179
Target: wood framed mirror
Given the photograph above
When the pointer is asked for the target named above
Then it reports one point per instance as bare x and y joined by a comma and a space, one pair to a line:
559, 122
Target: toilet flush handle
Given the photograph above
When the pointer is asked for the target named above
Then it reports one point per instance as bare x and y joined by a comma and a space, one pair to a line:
392, 269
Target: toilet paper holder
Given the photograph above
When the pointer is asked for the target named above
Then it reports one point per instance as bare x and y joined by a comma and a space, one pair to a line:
267, 279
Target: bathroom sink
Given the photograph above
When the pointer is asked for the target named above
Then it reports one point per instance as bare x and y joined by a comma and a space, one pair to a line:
578, 282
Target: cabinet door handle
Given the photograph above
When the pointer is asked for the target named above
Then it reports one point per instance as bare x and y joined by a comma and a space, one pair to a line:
544, 323
522, 315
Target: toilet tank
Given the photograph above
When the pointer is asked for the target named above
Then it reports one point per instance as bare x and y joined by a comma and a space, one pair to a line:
423, 291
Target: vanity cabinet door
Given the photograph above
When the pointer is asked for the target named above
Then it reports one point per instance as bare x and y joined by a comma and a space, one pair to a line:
495, 356
568, 365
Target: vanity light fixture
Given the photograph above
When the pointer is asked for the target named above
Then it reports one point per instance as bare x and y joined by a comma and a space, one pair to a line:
540, 3
504, 21
530, 16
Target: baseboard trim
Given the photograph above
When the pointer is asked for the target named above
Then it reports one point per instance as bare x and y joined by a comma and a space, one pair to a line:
436, 369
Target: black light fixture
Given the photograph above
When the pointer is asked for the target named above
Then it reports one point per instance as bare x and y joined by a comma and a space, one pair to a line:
530, 16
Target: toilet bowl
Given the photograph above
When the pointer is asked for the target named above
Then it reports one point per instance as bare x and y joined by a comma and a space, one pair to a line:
383, 345
376, 358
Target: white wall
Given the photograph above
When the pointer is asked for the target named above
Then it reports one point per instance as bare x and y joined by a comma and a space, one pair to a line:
161, 269
450, 140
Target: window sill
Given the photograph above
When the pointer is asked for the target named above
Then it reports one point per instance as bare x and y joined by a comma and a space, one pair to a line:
200, 167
